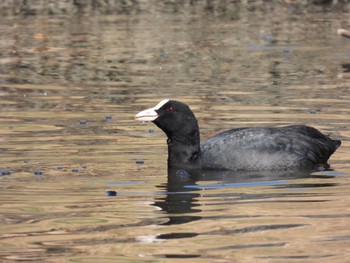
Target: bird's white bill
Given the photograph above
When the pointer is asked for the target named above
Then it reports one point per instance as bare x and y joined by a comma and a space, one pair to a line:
146, 115
150, 114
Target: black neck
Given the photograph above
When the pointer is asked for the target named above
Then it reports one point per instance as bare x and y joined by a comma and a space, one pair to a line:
183, 151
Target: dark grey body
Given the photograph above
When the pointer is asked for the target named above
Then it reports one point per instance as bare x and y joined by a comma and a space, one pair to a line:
267, 148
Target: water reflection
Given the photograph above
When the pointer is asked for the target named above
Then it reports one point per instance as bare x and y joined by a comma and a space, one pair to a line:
182, 195
182, 199
179, 202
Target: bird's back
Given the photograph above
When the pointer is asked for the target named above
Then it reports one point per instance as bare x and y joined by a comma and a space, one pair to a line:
267, 148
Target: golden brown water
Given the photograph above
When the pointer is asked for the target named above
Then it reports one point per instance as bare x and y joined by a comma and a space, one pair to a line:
70, 87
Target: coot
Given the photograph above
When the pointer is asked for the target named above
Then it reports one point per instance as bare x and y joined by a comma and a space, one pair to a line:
246, 149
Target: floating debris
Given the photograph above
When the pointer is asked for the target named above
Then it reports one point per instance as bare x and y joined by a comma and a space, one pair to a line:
139, 162
111, 193
314, 111
5, 172
83, 122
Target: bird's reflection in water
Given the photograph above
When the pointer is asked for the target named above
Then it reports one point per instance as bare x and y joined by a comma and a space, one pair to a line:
180, 203
182, 190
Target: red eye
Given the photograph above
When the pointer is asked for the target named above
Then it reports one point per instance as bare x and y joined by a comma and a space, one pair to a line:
169, 110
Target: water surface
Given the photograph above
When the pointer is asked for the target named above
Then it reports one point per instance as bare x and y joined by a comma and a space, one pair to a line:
71, 83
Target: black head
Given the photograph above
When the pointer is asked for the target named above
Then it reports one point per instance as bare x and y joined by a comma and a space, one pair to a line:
175, 118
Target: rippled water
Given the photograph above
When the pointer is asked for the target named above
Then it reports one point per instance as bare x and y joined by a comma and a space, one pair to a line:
81, 181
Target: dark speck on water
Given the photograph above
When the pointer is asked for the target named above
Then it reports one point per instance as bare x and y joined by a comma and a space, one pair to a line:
5, 172
82, 122
111, 193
